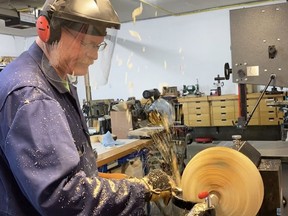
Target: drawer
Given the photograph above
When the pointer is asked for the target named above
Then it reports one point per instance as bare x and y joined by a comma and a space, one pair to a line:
264, 107
268, 114
223, 109
222, 103
200, 104
223, 115
192, 107
204, 117
269, 121
273, 98
199, 123
199, 110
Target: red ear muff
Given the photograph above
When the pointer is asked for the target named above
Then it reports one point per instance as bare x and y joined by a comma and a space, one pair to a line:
43, 28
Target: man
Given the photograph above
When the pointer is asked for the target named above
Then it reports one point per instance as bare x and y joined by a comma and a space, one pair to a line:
47, 165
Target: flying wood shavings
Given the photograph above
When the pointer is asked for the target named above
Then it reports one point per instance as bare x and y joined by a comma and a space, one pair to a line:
129, 63
137, 12
131, 85
135, 34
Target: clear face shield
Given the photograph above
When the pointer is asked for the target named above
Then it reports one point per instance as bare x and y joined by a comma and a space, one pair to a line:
79, 49
100, 70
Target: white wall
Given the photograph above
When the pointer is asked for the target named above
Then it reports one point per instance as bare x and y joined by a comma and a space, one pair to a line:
173, 51
11, 45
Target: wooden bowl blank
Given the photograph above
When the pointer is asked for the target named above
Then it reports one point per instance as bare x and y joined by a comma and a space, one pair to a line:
228, 173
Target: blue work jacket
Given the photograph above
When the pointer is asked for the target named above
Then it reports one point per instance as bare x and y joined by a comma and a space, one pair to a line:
47, 165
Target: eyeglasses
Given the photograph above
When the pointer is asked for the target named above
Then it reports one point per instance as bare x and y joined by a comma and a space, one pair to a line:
90, 46
93, 46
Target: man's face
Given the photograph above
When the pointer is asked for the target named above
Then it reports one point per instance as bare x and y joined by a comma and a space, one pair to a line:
78, 51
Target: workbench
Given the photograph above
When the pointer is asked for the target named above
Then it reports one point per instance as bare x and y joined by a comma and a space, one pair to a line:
111, 155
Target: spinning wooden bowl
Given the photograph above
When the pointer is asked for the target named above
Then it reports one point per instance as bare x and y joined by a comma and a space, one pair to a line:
230, 175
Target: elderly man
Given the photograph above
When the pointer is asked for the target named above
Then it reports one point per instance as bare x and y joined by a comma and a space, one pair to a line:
47, 165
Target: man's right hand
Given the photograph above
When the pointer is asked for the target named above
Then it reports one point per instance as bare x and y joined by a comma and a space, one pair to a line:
159, 186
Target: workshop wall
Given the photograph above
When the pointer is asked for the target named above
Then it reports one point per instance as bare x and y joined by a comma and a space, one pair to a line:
11, 45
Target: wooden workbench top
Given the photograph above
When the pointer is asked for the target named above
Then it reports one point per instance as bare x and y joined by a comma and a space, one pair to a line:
107, 155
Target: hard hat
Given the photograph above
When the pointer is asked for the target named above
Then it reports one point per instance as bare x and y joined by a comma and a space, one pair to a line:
97, 15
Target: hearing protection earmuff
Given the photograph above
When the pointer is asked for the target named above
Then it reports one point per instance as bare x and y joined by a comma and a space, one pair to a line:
56, 14
49, 31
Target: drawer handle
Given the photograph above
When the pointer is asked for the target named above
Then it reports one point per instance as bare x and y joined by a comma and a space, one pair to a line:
222, 107
198, 107
223, 113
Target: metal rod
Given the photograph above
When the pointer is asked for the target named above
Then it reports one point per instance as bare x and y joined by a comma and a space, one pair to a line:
272, 77
88, 96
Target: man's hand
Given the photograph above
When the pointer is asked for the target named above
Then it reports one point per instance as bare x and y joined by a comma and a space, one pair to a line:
159, 185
